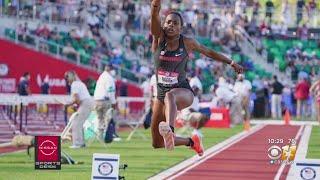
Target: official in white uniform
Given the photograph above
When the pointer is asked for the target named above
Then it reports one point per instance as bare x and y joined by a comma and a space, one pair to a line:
228, 96
105, 98
243, 88
81, 97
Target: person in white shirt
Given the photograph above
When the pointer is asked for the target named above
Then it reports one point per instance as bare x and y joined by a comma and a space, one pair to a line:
243, 88
146, 87
81, 97
226, 95
195, 81
105, 98
153, 86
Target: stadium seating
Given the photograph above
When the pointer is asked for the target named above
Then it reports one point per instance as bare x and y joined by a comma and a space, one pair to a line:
277, 50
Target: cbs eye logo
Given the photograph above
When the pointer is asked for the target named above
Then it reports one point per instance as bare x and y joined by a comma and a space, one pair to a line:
286, 153
274, 152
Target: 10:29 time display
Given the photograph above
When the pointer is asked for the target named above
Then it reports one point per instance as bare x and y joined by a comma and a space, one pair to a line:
275, 141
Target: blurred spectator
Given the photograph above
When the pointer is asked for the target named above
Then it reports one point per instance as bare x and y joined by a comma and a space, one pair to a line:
95, 61
283, 30
145, 13
54, 35
302, 32
92, 19
277, 88
43, 31
252, 27
299, 11
45, 88
243, 89
276, 30
302, 95
261, 100
23, 31
96, 33
189, 17
285, 14
79, 33
104, 47
240, 7
256, 8
129, 8
117, 55
264, 28
287, 98
201, 62
269, 10
69, 51
194, 81
23, 86
312, 12
144, 70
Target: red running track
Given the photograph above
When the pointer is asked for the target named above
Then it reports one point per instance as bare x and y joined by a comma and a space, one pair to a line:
247, 159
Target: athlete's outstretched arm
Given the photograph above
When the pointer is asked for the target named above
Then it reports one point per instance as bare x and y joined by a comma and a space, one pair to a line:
155, 18
193, 45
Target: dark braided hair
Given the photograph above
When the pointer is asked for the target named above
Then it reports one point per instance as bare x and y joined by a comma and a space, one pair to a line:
178, 14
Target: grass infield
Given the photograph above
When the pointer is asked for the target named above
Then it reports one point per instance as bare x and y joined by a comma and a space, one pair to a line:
142, 159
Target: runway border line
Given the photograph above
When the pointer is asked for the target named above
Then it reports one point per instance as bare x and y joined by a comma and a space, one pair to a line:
281, 122
188, 164
281, 168
302, 149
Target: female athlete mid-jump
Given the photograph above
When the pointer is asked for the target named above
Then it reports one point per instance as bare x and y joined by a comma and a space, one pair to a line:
171, 51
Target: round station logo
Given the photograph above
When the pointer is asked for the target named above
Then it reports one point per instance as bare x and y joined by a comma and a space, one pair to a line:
274, 152
47, 147
308, 173
4, 69
105, 168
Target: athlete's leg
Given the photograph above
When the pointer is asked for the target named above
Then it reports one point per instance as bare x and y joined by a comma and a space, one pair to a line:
177, 99
174, 100
158, 115
156, 118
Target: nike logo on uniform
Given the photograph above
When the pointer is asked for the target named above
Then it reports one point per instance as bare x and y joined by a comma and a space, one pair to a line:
178, 54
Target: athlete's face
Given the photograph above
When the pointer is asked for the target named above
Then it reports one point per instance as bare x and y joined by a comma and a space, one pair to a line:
172, 25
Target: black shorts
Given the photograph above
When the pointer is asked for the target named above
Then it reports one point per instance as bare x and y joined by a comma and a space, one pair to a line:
162, 90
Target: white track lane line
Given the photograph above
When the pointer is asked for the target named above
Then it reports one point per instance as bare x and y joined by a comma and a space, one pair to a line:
283, 165
302, 149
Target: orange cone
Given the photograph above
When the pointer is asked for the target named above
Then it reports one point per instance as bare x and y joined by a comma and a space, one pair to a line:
246, 125
287, 117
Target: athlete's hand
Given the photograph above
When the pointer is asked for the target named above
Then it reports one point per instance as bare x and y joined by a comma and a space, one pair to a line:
237, 68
